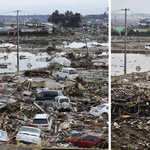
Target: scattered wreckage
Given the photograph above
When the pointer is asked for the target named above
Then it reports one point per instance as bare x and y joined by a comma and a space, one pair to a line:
18, 107
130, 107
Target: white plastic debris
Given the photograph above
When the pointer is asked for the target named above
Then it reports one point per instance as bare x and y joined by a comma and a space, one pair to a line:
116, 125
61, 60
64, 125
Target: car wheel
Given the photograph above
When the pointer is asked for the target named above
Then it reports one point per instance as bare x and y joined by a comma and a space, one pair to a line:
54, 108
40, 103
72, 144
105, 115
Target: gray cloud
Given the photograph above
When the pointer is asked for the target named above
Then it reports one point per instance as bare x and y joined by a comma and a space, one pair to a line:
48, 6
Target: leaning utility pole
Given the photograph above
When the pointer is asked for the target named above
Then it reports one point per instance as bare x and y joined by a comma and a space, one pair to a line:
84, 37
125, 51
17, 39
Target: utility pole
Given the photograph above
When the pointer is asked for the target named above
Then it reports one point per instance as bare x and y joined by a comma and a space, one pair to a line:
84, 37
17, 39
125, 51
3, 21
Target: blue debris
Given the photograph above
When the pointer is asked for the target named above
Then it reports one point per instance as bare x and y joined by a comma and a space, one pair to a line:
74, 132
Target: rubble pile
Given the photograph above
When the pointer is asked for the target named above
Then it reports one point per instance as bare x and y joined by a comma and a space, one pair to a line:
18, 107
130, 109
18, 91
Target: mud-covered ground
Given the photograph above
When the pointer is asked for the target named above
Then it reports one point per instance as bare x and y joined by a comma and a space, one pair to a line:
137, 43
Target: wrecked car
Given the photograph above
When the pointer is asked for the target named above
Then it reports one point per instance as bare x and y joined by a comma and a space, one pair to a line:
46, 97
3, 136
100, 110
67, 73
62, 103
87, 142
29, 135
42, 121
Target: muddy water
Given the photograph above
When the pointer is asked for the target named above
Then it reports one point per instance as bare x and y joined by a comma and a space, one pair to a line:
31, 61
133, 60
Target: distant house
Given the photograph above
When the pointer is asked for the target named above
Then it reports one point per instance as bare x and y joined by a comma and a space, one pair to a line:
143, 25
36, 25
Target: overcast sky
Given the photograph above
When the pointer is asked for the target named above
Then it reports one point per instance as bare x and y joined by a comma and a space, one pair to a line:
45, 7
140, 6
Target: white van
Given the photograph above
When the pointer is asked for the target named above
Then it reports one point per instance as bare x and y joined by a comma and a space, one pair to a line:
69, 73
147, 46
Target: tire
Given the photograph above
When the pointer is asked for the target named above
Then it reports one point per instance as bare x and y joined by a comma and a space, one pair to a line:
40, 103
65, 78
105, 115
72, 144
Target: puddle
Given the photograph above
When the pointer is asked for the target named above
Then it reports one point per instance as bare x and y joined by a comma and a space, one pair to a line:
31, 61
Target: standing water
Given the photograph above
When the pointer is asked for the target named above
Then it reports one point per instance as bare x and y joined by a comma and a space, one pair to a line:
132, 61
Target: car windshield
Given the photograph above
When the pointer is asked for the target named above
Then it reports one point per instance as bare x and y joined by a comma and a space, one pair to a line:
73, 71
32, 130
40, 121
60, 93
64, 100
102, 106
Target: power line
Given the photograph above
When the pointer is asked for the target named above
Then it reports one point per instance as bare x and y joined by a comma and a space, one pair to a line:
6, 12
140, 14
115, 11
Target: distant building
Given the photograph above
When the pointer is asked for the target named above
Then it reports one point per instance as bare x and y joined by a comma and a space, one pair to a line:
36, 25
143, 26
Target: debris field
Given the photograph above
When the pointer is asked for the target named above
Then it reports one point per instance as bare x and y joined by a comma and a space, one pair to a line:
18, 106
130, 107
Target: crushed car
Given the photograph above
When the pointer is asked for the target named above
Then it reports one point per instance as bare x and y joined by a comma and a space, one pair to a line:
102, 110
46, 97
3, 136
29, 135
88, 141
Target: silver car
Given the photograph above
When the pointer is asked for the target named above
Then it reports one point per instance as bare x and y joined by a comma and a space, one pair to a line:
42, 121
62, 103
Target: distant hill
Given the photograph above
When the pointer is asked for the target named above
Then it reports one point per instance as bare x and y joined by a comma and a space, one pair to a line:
101, 16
